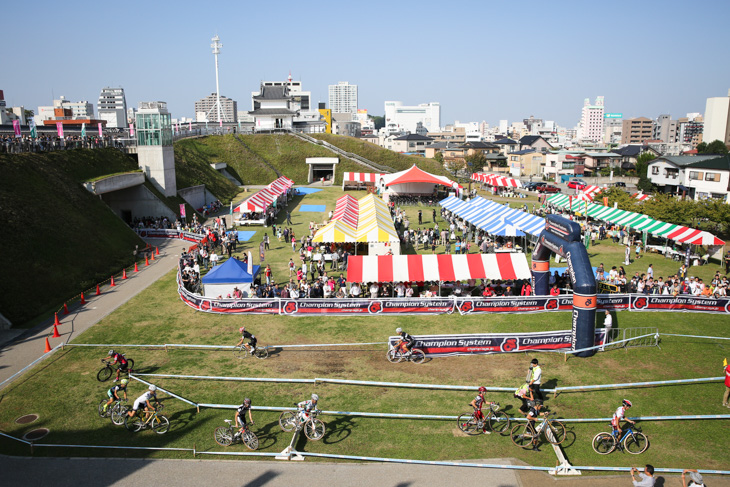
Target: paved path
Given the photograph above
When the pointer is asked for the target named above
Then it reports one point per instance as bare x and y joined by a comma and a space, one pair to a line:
27, 347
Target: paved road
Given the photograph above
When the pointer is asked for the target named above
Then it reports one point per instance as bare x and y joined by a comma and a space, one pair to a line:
27, 347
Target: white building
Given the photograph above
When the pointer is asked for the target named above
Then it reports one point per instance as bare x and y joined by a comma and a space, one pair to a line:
206, 109
79, 110
404, 118
472, 130
113, 107
717, 119
343, 97
284, 105
591, 120
700, 177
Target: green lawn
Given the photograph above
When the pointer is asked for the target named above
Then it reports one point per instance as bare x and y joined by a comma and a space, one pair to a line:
158, 316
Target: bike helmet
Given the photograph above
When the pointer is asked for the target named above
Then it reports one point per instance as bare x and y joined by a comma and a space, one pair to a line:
125, 382
111, 352
242, 329
482, 389
247, 402
626, 403
399, 330
153, 388
315, 397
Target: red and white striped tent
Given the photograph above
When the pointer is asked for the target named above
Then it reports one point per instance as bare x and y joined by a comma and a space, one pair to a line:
496, 180
258, 201
347, 210
281, 185
589, 193
402, 268
361, 177
641, 196
416, 181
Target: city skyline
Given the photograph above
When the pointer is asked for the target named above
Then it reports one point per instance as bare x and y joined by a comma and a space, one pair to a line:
540, 60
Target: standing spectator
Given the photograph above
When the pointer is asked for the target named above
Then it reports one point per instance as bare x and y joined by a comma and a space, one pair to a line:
638, 250
646, 478
434, 215
607, 325
650, 272
627, 255
267, 273
214, 259
554, 291
695, 479
535, 376
526, 289
288, 218
726, 397
420, 217
293, 243
291, 267
266, 241
204, 256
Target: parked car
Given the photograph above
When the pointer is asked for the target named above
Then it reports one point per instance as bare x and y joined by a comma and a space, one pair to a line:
531, 186
547, 188
577, 184
620, 184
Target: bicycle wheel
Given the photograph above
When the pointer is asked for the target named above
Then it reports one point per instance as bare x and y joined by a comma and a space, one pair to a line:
160, 425
468, 424
288, 421
522, 435
130, 365
418, 356
636, 443
223, 436
314, 429
394, 356
119, 412
604, 443
261, 353
250, 440
558, 432
102, 412
104, 374
133, 423
240, 352
499, 422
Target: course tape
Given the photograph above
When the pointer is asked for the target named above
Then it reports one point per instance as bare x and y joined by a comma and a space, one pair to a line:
164, 390
241, 379
694, 336
227, 347
638, 384
14, 438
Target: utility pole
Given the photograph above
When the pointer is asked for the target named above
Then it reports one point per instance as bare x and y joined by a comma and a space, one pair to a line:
216, 50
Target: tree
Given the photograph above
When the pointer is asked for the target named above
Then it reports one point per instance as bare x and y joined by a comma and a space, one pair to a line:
714, 147
642, 166
29, 114
476, 161
701, 147
455, 165
439, 157
378, 121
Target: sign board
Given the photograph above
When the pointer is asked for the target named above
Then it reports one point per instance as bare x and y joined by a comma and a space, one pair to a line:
613, 115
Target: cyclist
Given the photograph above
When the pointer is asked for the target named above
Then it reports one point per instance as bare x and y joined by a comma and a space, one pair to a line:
245, 335
113, 393
532, 415
306, 407
119, 358
619, 415
477, 404
524, 393
144, 401
240, 418
406, 339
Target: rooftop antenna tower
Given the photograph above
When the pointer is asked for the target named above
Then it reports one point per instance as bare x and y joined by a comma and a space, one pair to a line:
216, 50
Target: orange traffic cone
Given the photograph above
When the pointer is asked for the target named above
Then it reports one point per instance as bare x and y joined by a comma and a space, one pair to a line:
83, 301
55, 332
136, 269
112, 283
98, 291
124, 273
65, 309
56, 322
152, 256
146, 260
48, 346
157, 250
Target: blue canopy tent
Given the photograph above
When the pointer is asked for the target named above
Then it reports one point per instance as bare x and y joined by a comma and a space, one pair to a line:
222, 279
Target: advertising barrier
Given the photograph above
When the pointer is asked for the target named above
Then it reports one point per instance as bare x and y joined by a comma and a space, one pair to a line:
696, 304
352, 306
162, 233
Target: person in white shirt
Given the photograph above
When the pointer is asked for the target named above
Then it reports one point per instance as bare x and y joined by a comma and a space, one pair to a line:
607, 325
535, 379
400, 290
409, 292
355, 290
144, 402
650, 271
214, 259
374, 288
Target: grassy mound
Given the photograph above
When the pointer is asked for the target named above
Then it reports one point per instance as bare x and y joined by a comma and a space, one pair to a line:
193, 158
62, 239
382, 156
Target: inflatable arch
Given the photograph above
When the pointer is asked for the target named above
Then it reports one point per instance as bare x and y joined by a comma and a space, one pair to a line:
562, 237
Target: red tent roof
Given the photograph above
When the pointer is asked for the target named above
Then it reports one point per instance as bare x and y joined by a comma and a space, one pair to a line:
416, 175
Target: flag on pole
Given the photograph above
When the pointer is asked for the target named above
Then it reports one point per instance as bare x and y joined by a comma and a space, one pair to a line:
182, 210
262, 252
220, 123
724, 362
33, 129
230, 212
59, 129
101, 134
605, 201
239, 125
16, 127
131, 130
190, 125
83, 129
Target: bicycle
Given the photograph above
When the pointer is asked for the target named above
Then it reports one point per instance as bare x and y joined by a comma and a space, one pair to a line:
241, 352
157, 422
523, 434
226, 436
475, 422
633, 441
400, 352
106, 372
313, 428
115, 412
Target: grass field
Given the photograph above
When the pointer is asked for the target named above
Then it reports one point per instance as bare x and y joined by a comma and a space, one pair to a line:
64, 390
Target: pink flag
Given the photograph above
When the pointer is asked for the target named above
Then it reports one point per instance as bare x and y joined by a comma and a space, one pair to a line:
190, 125
220, 123
182, 210
16, 127
99, 125
59, 128
131, 130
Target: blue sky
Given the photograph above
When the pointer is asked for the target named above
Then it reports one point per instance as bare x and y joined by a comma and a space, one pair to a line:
482, 60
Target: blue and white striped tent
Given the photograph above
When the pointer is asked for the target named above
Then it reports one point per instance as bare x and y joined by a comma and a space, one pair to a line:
488, 215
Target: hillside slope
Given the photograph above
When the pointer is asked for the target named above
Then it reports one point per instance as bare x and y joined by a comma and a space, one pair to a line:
60, 238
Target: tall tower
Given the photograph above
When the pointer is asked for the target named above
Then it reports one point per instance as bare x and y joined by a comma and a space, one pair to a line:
155, 154
216, 50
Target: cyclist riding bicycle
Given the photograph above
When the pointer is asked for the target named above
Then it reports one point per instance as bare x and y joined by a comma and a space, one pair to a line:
533, 414
477, 404
240, 417
406, 339
119, 358
619, 415
113, 393
306, 407
251, 345
144, 401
